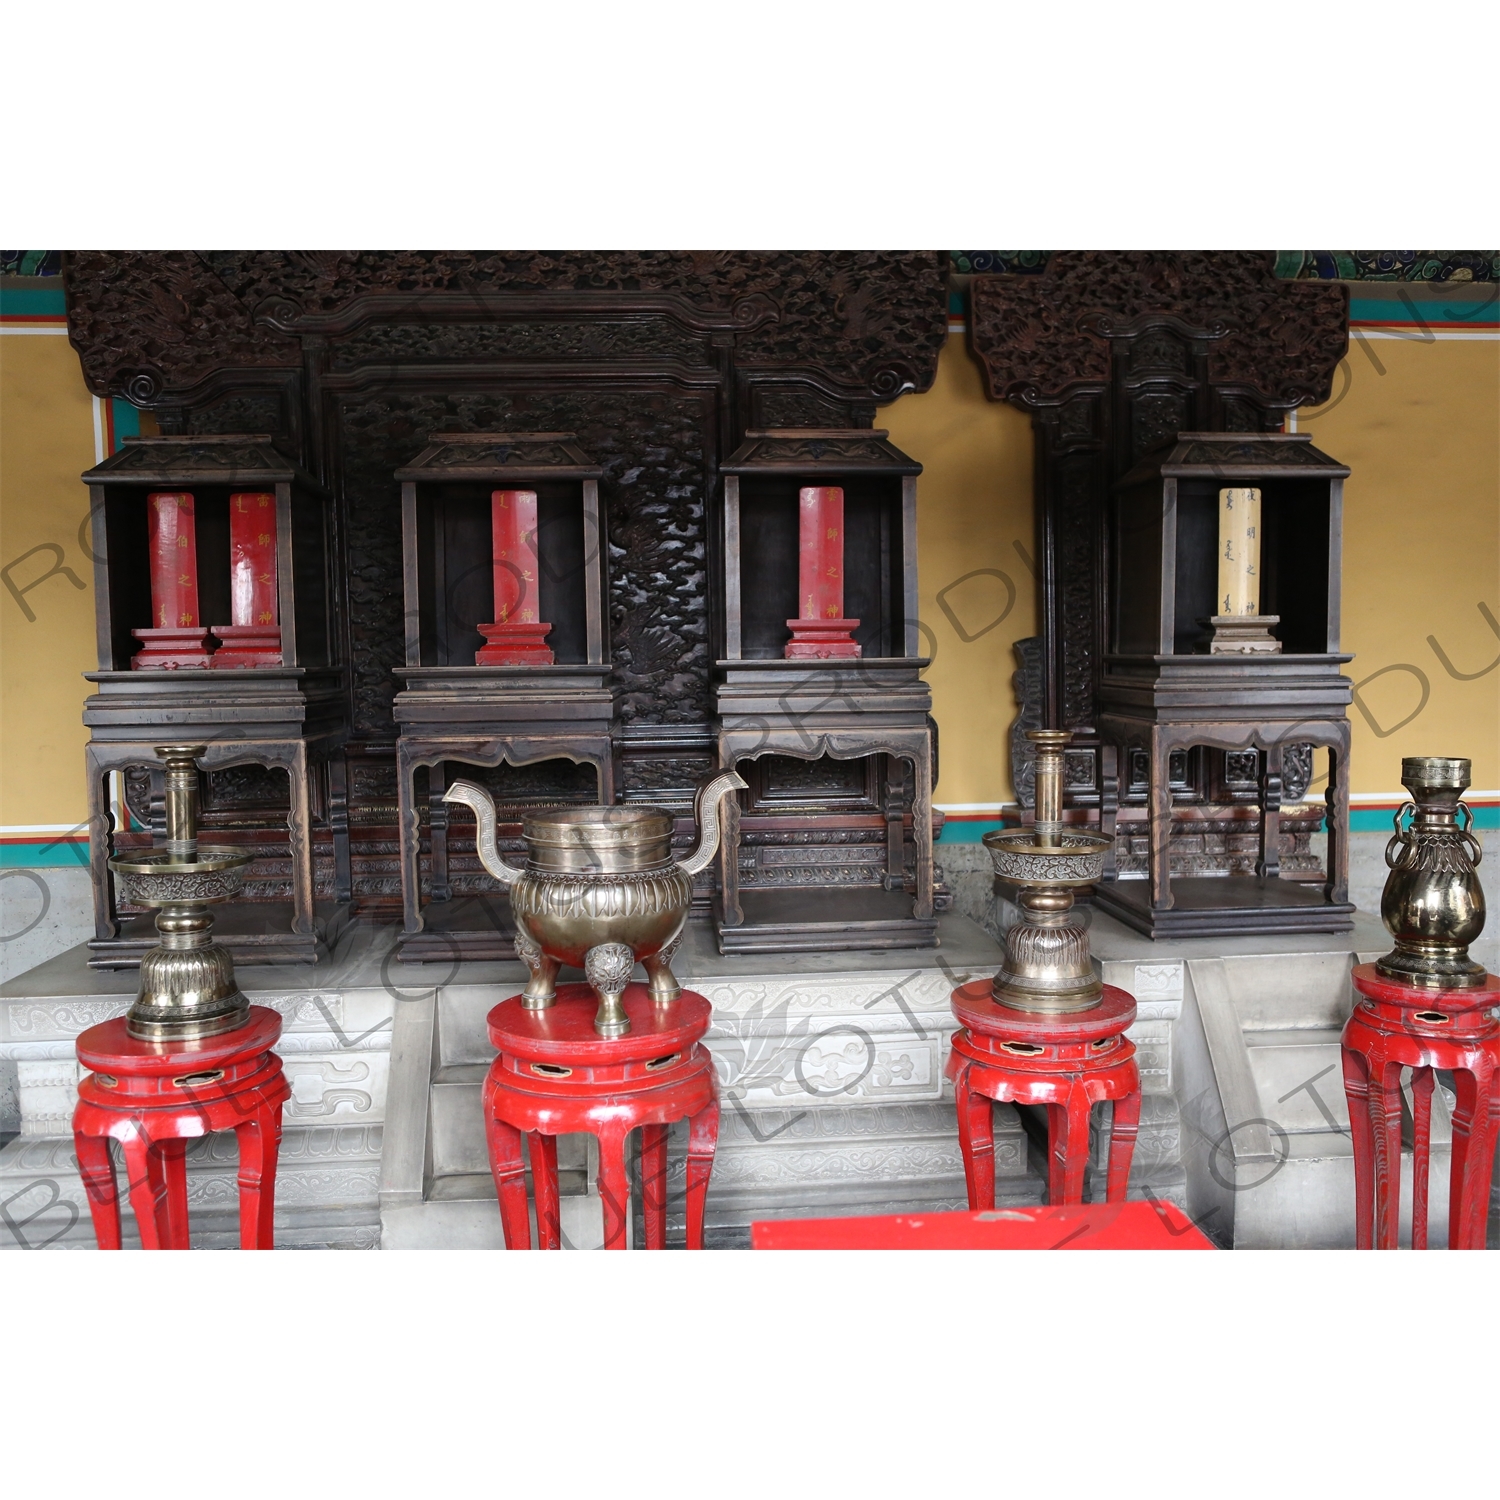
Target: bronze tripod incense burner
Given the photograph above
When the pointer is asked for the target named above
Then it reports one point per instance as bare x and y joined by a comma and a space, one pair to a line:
600, 890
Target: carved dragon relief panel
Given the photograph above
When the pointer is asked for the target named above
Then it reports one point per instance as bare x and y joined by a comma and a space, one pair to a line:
655, 360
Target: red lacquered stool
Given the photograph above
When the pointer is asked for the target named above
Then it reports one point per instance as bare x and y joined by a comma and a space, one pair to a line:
1069, 1062
556, 1075
155, 1097
1398, 1026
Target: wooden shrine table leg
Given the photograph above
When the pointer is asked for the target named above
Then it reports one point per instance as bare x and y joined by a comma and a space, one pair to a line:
1421, 1143
1122, 1134
1070, 1146
976, 1139
544, 1190
101, 834
1268, 866
1057, 1135
1109, 801
299, 824
1336, 800
98, 1173
614, 1186
259, 1141
921, 827
654, 1184
731, 912
1385, 1126
1474, 1129
173, 1155
703, 1141
410, 833
147, 1187
1362, 1137
509, 1171
1160, 794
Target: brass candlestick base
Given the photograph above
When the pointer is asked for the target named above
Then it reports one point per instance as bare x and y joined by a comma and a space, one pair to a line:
188, 989
1433, 903
1047, 964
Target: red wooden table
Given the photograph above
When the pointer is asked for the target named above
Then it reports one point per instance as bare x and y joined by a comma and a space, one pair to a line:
1152, 1225
1396, 1026
1067, 1062
556, 1075
155, 1097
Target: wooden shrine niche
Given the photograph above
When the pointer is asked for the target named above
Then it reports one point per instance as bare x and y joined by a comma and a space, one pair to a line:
505, 577
469, 498
1113, 354
216, 554
820, 699
215, 616
1225, 636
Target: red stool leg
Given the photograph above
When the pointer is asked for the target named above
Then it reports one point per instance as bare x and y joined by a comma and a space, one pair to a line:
1068, 1148
259, 1141
509, 1172
976, 1139
1357, 1092
703, 1141
654, 1184
1385, 1125
147, 1188
98, 1173
1421, 1139
544, 1188
614, 1186
1122, 1134
1474, 1128
174, 1174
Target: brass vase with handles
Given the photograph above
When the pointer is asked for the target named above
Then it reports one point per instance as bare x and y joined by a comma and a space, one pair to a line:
600, 891
1433, 903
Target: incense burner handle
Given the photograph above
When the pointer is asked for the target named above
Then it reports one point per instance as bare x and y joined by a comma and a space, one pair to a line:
483, 807
706, 814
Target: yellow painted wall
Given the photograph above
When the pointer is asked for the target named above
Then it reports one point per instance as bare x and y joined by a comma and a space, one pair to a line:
1419, 426
976, 552
1421, 553
46, 442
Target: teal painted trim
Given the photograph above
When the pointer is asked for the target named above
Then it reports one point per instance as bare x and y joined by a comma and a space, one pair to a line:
1426, 306
58, 854
127, 420
31, 302
1382, 819
967, 832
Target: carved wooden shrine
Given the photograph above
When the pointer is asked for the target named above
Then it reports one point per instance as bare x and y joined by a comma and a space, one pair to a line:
505, 655
189, 535
1163, 690
658, 361
785, 693
1113, 354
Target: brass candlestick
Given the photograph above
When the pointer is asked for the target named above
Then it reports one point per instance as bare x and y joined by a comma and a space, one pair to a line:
188, 989
1047, 964
1433, 903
